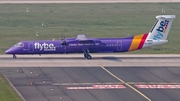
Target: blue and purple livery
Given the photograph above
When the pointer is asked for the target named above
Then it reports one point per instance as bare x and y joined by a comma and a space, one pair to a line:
82, 44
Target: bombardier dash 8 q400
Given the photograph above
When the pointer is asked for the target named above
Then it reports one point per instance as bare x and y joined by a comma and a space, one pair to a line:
81, 44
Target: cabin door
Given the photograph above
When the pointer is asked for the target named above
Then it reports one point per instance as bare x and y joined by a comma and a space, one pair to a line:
30, 47
119, 45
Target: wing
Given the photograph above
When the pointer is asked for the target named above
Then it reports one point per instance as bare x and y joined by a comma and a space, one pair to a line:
85, 39
81, 37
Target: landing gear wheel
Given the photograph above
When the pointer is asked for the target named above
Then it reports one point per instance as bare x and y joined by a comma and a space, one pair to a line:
85, 55
89, 57
14, 56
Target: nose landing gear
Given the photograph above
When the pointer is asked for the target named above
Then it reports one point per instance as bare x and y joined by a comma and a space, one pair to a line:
14, 56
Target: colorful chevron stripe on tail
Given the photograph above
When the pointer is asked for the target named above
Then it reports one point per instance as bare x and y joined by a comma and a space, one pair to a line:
138, 42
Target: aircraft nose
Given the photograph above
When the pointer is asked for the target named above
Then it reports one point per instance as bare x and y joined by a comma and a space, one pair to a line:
9, 51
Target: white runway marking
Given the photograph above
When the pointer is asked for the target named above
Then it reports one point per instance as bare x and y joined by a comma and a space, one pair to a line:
99, 87
159, 86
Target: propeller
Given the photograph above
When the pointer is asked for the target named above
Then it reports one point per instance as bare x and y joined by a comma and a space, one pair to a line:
63, 39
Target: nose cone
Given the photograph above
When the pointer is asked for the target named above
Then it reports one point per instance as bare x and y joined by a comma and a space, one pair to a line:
9, 51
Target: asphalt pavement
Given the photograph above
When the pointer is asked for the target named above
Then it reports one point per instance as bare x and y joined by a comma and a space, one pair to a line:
95, 84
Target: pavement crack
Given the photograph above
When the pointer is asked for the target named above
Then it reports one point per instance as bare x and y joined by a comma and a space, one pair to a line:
35, 85
54, 82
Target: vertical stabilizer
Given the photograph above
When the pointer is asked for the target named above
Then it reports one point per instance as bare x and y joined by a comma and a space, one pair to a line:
161, 28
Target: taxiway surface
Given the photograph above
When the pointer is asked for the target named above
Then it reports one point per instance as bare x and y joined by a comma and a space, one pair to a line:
107, 77
95, 84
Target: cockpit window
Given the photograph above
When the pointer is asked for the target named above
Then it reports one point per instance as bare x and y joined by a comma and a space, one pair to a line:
19, 45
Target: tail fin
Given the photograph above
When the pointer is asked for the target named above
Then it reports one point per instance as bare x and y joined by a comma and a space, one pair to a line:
161, 28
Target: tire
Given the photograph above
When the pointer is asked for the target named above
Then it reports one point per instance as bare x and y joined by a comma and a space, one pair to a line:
85, 55
14, 57
89, 57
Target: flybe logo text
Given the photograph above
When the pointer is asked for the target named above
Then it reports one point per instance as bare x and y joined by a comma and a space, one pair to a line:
45, 46
161, 30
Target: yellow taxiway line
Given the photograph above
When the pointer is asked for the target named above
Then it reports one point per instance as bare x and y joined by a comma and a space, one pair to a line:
125, 83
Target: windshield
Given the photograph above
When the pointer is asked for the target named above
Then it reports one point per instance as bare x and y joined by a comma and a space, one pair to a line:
19, 45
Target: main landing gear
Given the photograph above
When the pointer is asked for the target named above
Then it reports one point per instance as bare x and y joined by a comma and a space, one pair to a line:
14, 56
87, 55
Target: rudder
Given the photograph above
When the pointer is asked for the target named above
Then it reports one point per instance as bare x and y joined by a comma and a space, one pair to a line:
161, 28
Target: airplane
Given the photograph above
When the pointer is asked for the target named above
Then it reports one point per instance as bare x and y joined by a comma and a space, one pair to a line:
81, 44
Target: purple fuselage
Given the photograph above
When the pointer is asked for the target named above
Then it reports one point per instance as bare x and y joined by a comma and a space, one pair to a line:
93, 45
